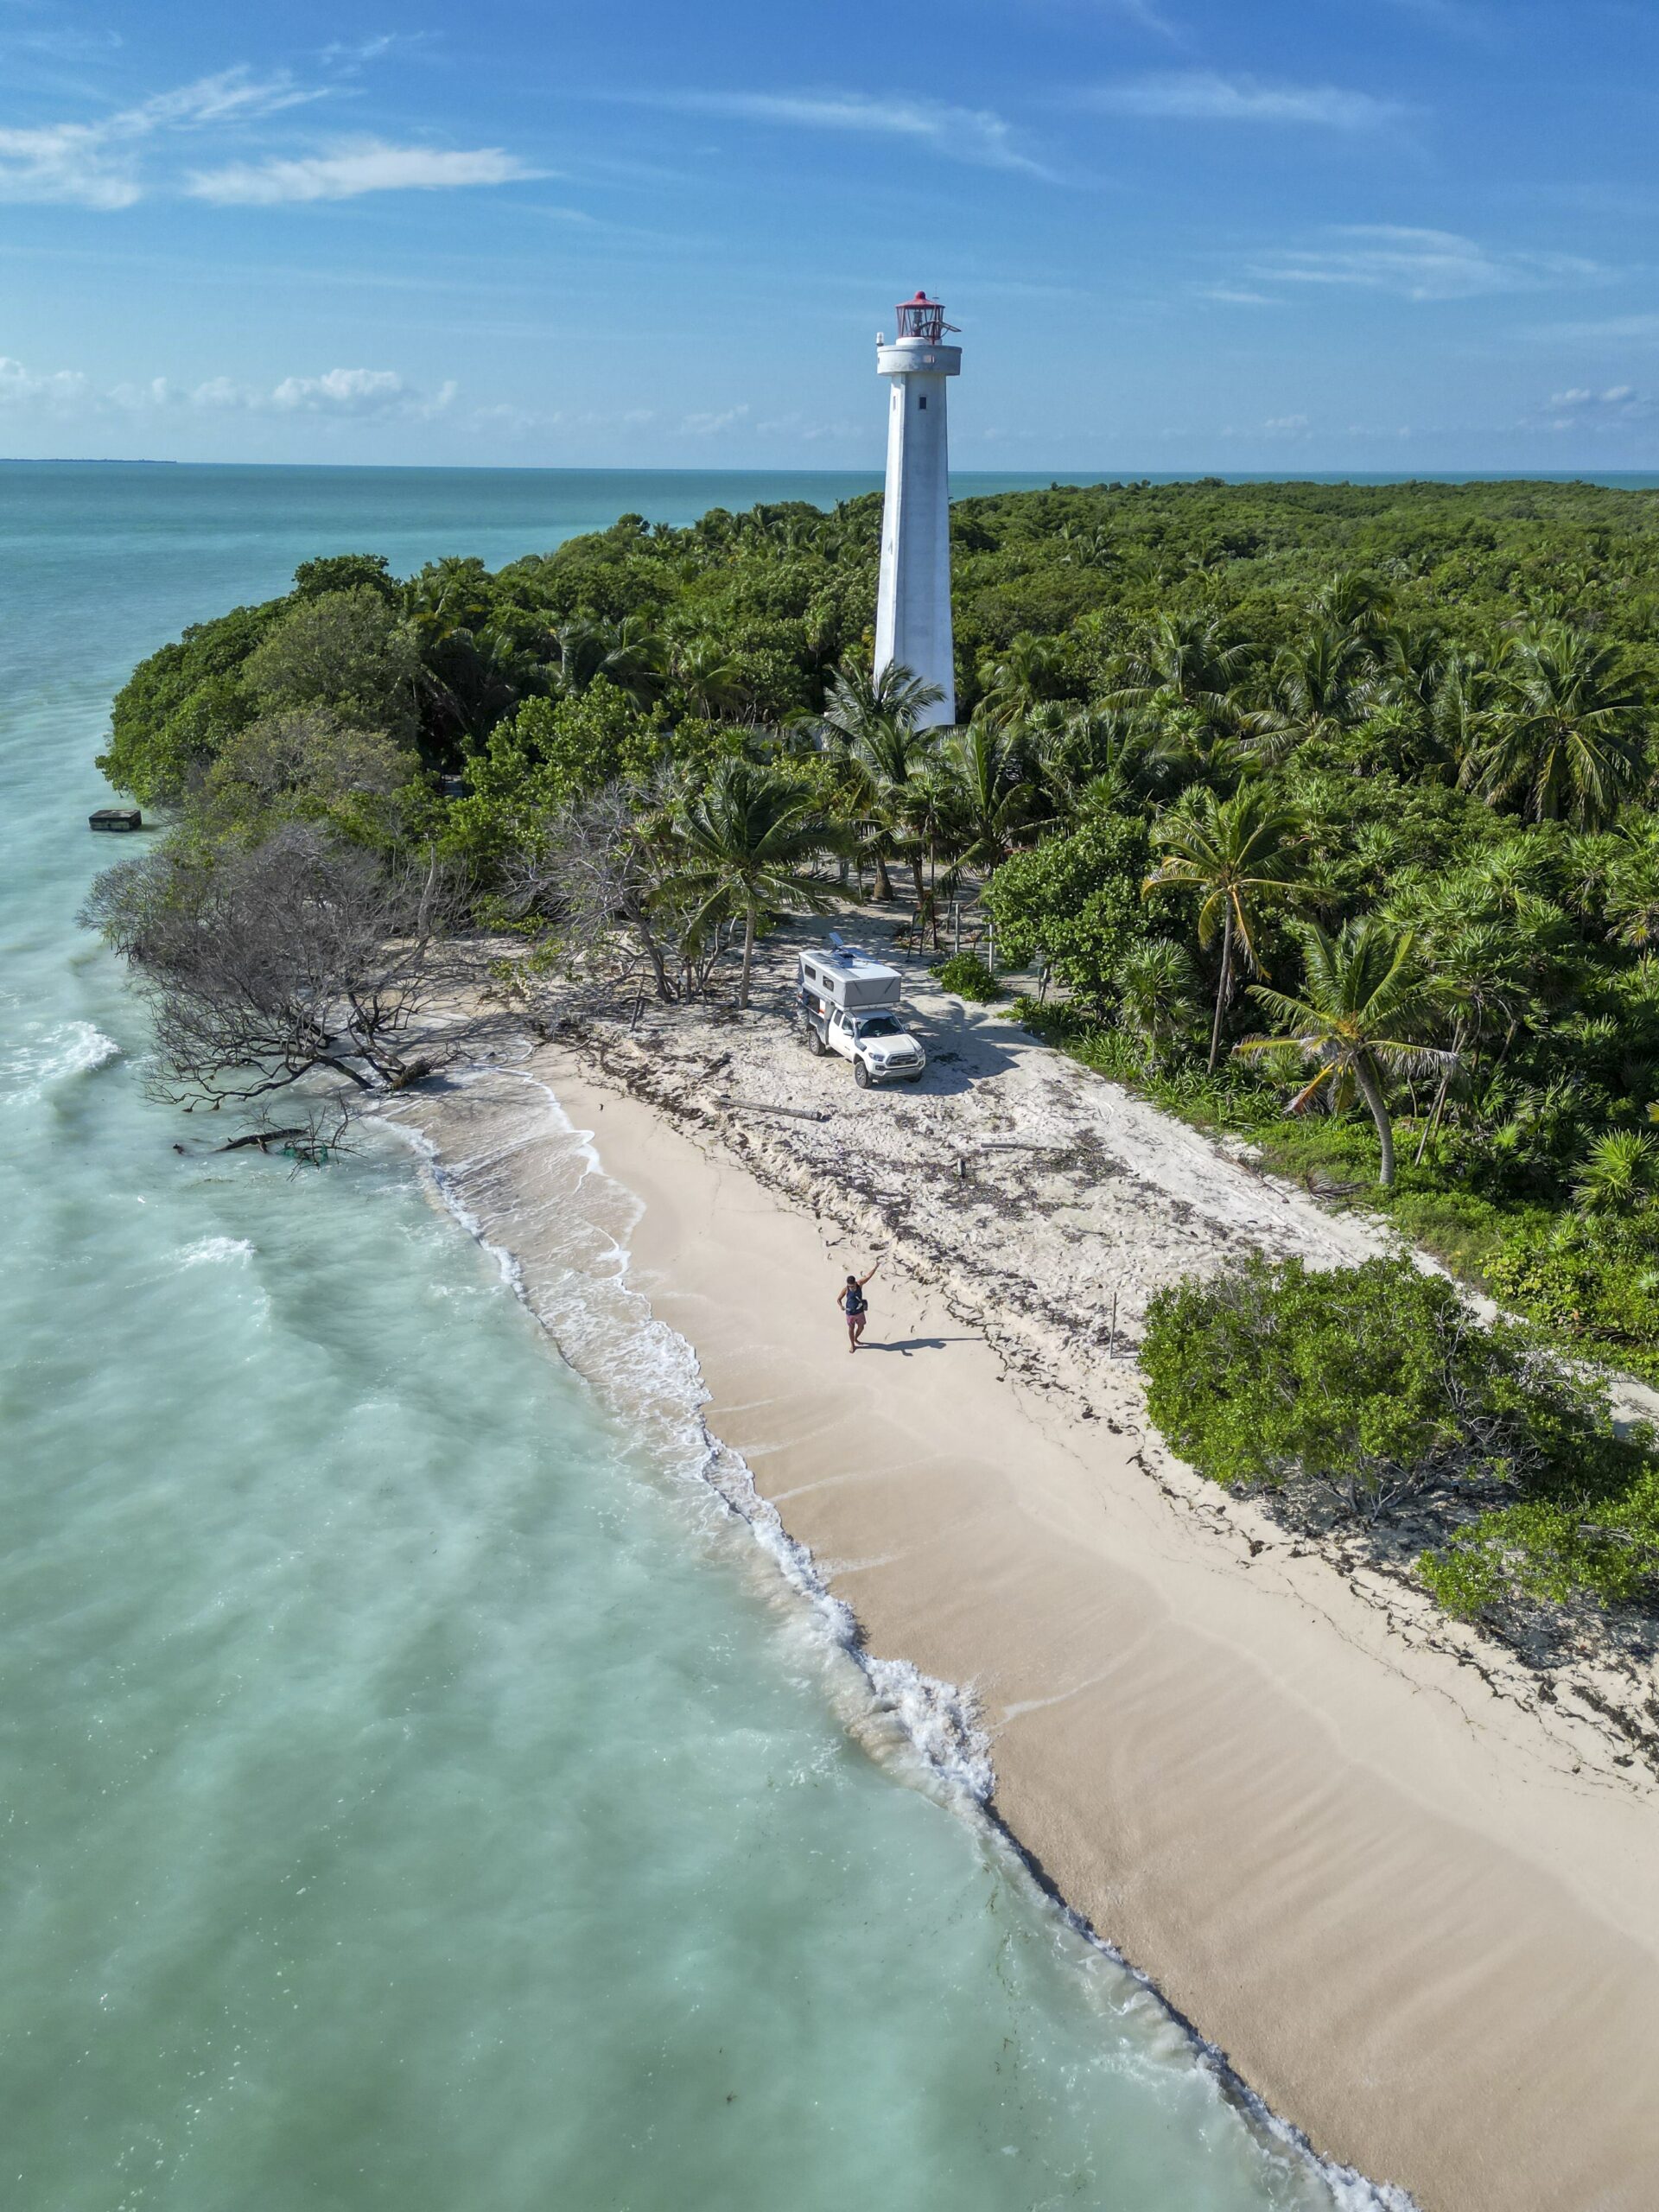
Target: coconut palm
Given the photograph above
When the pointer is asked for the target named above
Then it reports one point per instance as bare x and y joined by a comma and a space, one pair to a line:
1234, 855
1317, 679
989, 804
1355, 603
1467, 712
873, 721
1363, 1000
636, 660
708, 680
1571, 742
1183, 660
858, 700
743, 843
1027, 671
890, 763
1479, 974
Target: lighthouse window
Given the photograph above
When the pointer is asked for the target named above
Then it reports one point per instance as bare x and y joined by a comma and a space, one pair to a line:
922, 401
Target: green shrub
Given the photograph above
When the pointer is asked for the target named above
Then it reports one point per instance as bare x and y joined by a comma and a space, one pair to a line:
1362, 1389
1367, 1384
1075, 902
967, 975
1594, 1280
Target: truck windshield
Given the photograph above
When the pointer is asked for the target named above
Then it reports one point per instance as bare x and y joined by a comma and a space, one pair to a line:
880, 1025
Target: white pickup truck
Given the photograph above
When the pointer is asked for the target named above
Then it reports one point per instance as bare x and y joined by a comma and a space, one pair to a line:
848, 1003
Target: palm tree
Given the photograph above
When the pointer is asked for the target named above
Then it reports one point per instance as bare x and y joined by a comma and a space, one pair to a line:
1617, 1174
1159, 998
710, 682
1477, 973
743, 841
1466, 712
1364, 994
1355, 603
875, 722
1234, 853
857, 700
1572, 739
636, 660
891, 761
1027, 671
1318, 677
989, 802
1182, 660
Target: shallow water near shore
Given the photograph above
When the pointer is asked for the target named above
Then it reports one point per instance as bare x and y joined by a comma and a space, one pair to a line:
421, 1790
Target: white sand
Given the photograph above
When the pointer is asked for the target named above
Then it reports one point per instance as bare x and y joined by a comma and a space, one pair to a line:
1417, 1907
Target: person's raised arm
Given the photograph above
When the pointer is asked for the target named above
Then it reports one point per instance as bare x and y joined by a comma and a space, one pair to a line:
864, 1278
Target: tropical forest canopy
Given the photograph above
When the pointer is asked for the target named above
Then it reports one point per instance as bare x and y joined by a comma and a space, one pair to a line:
1327, 813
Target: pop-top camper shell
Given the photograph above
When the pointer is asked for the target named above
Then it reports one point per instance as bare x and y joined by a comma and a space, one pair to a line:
849, 979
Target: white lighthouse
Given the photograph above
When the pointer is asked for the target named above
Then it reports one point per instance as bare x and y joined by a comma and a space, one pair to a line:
912, 614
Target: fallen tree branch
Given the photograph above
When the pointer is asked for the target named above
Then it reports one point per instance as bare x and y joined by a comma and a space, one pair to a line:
757, 1106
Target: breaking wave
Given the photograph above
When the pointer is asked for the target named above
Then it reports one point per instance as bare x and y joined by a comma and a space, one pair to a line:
647, 1376
37, 1062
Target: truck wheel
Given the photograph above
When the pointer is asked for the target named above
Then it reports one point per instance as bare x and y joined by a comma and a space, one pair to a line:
814, 1042
861, 1074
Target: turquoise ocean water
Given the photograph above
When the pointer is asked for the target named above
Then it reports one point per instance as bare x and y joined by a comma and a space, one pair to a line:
419, 1792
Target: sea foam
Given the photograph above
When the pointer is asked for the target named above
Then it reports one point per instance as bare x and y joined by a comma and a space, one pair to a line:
647, 1374
37, 1062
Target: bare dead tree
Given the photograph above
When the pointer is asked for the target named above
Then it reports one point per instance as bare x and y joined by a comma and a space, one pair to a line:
604, 875
301, 955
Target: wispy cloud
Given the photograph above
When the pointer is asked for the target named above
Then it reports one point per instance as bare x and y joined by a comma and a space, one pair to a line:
357, 395
1583, 409
98, 164
963, 133
347, 171
1145, 17
1233, 295
51, 390
1421, 264
1207, 96
706, 424
1615, 330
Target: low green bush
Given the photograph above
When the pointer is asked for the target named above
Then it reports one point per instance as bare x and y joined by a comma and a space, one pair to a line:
969, 978
1592, 1279
1359, 1391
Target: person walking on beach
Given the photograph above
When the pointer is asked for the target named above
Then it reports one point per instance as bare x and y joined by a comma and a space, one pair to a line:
850, 1298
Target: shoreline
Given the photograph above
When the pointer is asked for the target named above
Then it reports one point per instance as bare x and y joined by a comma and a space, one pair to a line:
1387, 1895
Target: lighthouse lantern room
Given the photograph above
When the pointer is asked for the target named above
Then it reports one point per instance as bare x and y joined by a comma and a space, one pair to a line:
913, 619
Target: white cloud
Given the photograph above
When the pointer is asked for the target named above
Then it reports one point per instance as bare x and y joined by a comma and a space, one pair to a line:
98, 164
1583, 409
357, 394
361, 394
1206, 96
1230, 296
347, 171
53, 390
1285, 426
963, 133
1421, 264
1615, 329
1146, 16
705, 425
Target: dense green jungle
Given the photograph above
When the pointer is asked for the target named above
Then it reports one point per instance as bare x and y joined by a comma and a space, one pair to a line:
1324, 815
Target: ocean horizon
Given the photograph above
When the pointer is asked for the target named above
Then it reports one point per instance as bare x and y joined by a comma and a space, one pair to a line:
983, 481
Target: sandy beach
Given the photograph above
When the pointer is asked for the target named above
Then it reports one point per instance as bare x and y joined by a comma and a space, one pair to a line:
1415, 1903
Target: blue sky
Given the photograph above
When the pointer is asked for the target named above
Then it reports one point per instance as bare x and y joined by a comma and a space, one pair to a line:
1232, 234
